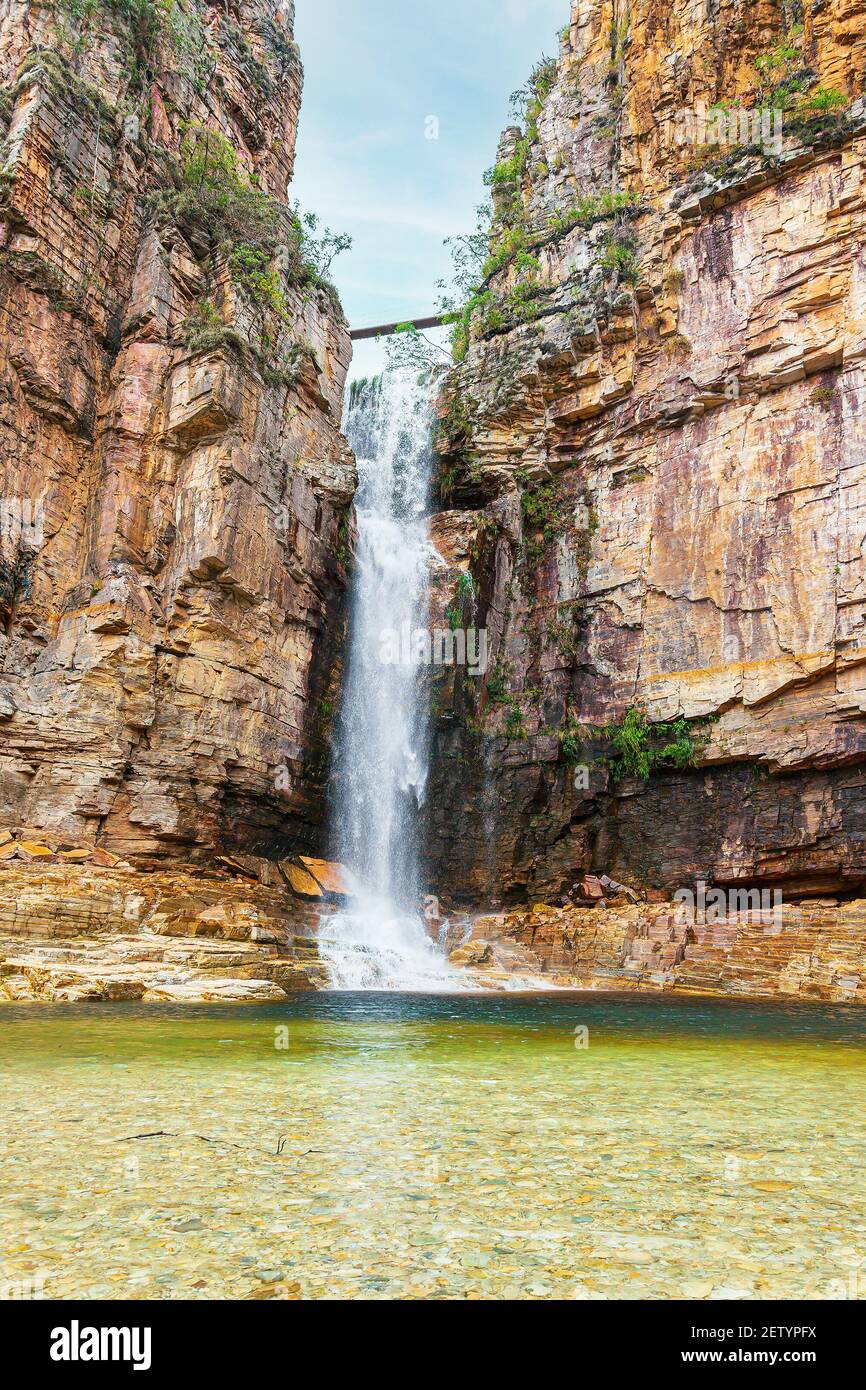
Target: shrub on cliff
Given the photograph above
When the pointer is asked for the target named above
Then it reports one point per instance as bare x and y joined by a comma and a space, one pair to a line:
219, 206
640, 747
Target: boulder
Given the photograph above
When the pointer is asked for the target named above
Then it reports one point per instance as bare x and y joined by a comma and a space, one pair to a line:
104, 858
254, 866
301, 882
332, 878
590, 887
473, 953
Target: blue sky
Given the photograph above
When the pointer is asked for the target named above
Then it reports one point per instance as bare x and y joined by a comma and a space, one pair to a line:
375, 71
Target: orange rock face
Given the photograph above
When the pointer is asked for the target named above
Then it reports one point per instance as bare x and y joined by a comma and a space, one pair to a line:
172, 474
78, 933
654, 448
810, 951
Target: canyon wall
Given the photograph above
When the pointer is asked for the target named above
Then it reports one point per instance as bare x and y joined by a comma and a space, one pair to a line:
174, 484
653, 466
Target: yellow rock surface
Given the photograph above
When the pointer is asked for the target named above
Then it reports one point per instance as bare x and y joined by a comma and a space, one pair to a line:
331, 876
300, 881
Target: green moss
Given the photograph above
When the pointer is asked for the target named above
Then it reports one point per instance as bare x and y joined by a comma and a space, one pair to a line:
50, 70
822, 395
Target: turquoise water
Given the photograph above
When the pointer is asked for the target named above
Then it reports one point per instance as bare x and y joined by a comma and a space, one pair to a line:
376, 1146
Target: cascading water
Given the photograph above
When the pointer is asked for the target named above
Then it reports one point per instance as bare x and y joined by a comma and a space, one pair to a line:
380, 941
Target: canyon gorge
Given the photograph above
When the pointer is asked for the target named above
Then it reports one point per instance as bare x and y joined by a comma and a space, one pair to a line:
648, 488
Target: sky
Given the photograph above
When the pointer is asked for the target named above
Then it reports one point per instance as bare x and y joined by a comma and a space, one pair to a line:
381, 78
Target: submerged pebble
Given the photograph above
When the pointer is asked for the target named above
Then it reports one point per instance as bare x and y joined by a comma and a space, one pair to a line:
694, 1157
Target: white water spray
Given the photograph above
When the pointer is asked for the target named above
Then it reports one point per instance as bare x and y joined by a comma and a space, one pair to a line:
381, 941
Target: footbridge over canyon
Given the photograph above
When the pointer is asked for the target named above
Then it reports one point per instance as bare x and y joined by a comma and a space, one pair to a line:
384, 330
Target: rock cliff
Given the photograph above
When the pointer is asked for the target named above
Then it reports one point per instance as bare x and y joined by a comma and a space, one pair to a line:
174, 484
653, 466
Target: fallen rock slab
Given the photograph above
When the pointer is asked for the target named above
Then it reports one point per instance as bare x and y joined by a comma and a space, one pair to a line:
300, 880
332, 878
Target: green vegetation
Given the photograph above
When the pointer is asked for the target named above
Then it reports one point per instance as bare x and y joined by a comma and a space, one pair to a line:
637, 747
776, 68
204, 329
473, 310
144, 25
52, 71
640, 747
541, 510
313, 248
342, 550
678, 346
591, 208
785, 85
38, 273
572, 737
509, 245
619, 258
822, 395
510, 170
514, 720
542, 78
219, 206
465, 587
497, 685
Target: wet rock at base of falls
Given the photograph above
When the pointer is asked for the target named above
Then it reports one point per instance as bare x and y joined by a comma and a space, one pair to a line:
332, 878
300, 881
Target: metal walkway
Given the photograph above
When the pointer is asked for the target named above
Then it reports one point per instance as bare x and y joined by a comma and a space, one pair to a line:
384, 330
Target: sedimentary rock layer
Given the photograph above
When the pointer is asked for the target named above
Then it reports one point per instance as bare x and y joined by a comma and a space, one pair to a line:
809, 951
653, 463
174, 482
81, 933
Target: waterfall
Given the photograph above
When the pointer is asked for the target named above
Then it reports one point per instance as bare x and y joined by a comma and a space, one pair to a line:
381, 941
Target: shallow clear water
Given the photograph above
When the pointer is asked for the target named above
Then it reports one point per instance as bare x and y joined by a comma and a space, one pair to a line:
435, 1147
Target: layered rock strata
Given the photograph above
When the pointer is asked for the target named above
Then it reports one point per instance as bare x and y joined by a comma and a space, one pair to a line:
814, 951
174, 481
86, 934
653, 465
